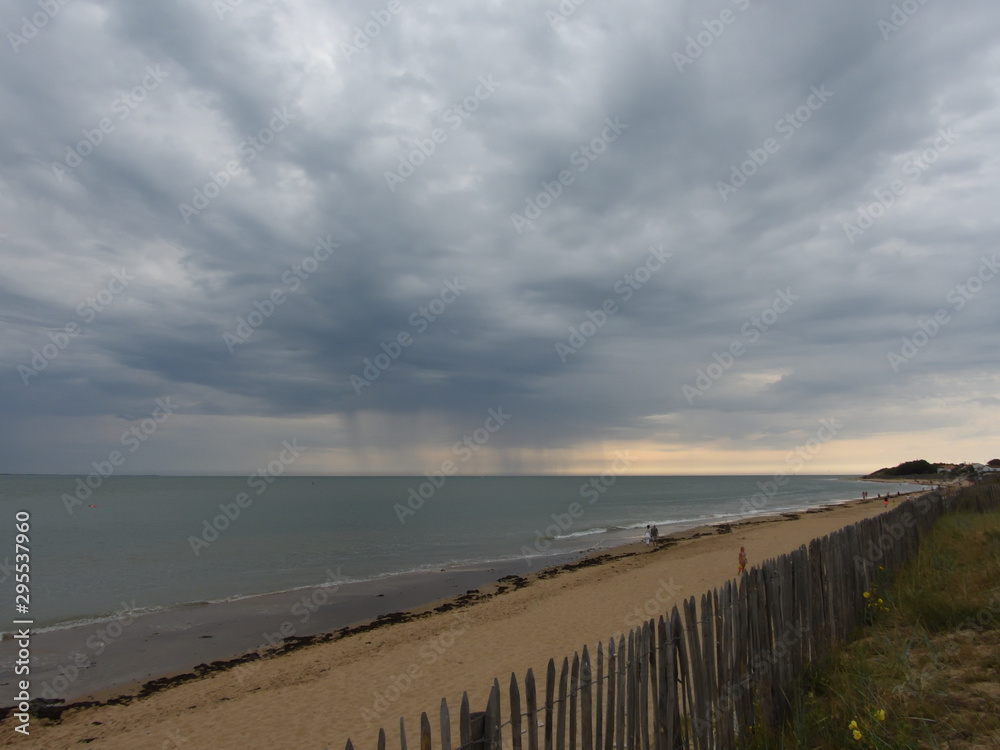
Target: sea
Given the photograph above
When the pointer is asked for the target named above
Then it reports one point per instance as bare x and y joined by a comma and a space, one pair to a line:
146, 543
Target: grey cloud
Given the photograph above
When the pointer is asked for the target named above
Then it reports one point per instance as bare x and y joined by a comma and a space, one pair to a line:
656, 183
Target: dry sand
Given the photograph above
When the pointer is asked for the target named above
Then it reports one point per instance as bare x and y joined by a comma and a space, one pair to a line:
318, 696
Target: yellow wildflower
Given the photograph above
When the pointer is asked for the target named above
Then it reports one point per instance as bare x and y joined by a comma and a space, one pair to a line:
853, 725
857, 734
867, 595
880, 715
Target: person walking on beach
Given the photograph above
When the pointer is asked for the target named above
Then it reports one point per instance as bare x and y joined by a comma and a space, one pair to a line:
648, 534
654, 533
742, 561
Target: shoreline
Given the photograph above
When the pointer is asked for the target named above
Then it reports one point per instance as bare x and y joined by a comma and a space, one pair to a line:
180, 640
564, 547
350, 685
132, 655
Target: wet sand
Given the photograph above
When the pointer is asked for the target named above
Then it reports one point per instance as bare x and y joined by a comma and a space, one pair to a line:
102, 660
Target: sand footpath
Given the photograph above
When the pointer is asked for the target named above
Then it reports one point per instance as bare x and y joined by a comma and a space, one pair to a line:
319, 695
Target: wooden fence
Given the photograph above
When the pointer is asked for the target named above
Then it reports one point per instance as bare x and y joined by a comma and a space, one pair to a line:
701, 676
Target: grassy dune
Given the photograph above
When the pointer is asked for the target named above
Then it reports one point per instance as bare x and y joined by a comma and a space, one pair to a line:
925, 671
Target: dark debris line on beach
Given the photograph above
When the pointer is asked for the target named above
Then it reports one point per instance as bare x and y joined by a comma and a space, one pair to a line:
53, 709
46, 708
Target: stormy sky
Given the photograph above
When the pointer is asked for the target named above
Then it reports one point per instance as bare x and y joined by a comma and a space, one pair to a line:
710, 236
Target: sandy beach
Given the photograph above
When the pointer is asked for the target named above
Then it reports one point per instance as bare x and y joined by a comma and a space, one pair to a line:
321, 694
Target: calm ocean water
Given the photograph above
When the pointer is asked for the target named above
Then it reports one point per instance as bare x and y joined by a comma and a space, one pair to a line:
156, 542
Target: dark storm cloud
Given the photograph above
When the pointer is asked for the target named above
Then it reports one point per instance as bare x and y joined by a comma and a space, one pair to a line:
527, 161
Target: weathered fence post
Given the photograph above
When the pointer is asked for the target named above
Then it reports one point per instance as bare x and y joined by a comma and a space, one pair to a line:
561, 720
609, 722
425, 732
550, 687
445, 720
631, 701
574, 687
622, 695
532, 701
492, 720
515, 713
586, 706
652, 643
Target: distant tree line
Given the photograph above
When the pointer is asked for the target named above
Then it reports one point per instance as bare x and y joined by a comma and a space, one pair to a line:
920, 467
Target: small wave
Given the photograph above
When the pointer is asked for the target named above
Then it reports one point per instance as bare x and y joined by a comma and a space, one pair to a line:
106, 617
586, 532
675, 522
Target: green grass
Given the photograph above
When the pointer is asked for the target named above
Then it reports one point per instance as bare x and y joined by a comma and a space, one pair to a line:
931, 662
